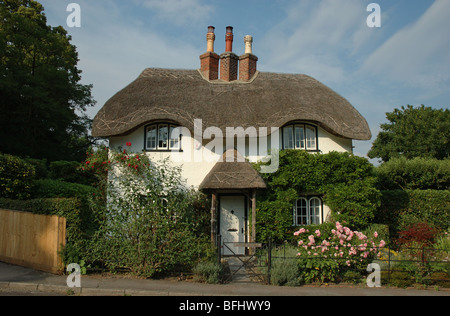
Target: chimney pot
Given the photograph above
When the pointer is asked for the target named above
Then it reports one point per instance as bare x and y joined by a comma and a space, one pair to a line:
248, 40
229, 39
209, 61
229, 61
248, 61
210, 38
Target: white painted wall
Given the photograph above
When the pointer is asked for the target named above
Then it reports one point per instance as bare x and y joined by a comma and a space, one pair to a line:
197, 161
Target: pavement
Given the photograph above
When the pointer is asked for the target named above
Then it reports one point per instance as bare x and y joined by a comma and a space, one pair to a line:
18, 279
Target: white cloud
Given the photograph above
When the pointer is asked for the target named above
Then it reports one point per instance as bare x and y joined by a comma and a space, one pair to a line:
417, 55
317, 38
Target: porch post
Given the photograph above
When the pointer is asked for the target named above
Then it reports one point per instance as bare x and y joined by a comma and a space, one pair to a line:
213, 219
253, 216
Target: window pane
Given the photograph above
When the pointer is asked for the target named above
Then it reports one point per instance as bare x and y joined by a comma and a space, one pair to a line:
163, 137
288, 137
315, 206
151, 137
302, 212
310, 137
174, 138
299, 137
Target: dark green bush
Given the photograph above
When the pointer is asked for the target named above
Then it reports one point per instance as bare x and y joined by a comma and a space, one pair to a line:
399, 278
16, 177
70, 171
40, 166
441, 279
49, 188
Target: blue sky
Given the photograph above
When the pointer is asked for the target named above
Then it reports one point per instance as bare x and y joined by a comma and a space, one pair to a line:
405, 61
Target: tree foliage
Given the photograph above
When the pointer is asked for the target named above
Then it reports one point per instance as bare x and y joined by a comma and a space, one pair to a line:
413, 132
39, 86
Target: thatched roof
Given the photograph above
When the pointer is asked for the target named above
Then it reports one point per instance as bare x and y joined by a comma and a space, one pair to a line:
235, 174
268, 100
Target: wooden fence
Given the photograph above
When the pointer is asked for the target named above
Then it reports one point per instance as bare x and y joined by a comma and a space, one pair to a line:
32, 240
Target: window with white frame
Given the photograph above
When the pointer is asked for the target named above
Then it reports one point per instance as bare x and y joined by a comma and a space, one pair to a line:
307, 211
162, 136
300, 136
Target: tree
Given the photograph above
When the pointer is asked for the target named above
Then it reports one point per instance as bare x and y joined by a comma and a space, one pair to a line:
413, 132
39, 87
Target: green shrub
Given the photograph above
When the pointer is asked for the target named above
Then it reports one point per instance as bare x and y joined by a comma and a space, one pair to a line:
381, 229
49, 188
150, 225
398, 278
70, 171
352, 276
432, 206
355, 203
16, 177
209, 272
285, 272
441, 279
325, 256
414, 174
40, 166
400, 209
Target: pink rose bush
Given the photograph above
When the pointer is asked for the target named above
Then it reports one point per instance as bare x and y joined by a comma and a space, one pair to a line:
325, 254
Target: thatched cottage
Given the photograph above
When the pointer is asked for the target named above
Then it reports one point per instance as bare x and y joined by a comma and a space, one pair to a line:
216, 119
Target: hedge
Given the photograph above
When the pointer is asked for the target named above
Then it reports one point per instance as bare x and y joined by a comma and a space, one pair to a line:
49, 188
414, 174
401, 208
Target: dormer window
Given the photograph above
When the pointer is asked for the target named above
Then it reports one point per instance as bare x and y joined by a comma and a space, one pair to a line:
300, 136
162, 137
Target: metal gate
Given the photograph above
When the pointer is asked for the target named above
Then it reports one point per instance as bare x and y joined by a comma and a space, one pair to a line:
253, 266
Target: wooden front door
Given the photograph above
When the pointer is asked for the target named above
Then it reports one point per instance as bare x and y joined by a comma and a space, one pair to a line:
232, 223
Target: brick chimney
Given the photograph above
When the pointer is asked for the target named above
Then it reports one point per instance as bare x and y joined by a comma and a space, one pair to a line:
248, 61
209, 61
228, 60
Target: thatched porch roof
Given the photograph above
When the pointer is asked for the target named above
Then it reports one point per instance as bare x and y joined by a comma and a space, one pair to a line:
232, 175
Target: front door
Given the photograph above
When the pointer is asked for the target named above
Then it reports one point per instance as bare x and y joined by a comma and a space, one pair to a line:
232, 223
